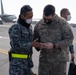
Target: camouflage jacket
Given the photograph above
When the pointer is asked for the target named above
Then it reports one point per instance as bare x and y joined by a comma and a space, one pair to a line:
20, 39
57, 32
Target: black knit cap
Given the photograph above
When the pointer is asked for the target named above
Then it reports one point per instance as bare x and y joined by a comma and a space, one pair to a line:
49, 10
25, 9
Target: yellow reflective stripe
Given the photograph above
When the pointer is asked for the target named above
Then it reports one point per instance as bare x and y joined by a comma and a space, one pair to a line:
20, 55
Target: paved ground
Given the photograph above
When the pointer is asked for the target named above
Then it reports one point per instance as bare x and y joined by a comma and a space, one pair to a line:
4, 48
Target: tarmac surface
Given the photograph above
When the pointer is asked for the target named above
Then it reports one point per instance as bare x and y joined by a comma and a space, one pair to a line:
4, 48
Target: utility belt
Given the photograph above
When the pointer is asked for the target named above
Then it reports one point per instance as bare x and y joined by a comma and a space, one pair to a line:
18, 55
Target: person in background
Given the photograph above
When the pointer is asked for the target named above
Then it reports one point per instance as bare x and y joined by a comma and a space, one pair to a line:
55, 36
21, 42
65, 13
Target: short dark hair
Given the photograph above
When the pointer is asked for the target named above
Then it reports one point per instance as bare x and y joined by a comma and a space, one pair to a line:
49, 10
63, 11
25, 9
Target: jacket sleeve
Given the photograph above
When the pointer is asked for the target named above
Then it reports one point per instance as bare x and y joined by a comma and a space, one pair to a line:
67, 36
71, 49
36, 36
15, 39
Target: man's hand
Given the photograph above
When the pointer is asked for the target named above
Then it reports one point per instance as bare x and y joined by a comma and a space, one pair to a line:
49, 45
42, 45
46, 45
35, 43
72, 56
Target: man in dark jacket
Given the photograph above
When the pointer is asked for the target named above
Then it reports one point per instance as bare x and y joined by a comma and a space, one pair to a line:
21, 44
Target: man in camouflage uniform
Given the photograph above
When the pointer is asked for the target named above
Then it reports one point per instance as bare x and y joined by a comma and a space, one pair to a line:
65, 13
20, 54
55, 36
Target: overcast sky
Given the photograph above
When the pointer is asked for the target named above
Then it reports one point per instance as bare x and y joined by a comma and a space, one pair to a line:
13, 6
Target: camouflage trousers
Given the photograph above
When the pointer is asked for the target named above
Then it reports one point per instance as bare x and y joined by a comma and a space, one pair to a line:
19, 67
58, 68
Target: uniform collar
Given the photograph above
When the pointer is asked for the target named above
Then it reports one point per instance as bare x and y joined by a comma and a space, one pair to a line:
23, 23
